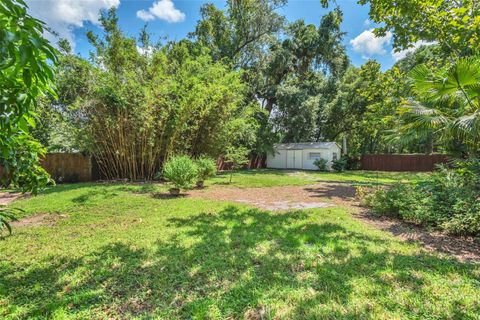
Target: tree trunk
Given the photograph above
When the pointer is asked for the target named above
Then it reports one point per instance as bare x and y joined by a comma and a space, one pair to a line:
429, 144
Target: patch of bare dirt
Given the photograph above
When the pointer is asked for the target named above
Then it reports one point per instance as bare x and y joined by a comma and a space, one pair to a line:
7, 197
282, 198
41, 219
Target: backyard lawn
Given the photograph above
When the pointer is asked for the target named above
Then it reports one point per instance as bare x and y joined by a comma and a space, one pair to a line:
99, 251
270, 177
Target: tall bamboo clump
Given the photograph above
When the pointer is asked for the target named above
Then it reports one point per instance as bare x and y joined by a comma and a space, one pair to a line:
146, 107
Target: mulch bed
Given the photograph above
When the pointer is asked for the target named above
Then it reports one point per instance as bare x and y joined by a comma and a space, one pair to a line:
463, 248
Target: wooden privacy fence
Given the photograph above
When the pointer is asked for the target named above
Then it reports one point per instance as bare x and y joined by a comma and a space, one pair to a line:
65, 167
76, 167
68, 167
402, 162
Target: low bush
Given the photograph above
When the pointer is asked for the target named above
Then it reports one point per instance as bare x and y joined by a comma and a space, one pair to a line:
181, 171
321, 164
353, 162
206, 168
340, 164
449, 200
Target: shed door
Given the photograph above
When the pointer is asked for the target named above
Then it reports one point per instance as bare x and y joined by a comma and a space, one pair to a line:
294, 159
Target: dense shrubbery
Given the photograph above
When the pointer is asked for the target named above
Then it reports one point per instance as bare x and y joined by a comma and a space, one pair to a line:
321, 164
448, 200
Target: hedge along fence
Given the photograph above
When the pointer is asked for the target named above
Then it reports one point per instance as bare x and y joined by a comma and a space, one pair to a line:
76, 167
402, 162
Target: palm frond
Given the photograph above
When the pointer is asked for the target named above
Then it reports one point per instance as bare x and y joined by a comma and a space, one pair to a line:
7, 215
468, 124
458, 82
419, 116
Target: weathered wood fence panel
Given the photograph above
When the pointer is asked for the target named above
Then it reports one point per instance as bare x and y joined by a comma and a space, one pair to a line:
68, 167
402, 162
255, 162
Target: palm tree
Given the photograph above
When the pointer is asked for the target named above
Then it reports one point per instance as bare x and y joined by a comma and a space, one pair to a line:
447, 104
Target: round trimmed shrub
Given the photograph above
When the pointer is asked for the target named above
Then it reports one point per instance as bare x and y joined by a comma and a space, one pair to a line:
181, 171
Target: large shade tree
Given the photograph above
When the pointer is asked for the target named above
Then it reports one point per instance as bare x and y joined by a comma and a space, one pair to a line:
237, 34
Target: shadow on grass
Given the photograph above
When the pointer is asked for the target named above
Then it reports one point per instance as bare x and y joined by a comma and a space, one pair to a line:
163, 195
230, 264
332, 190
98, 193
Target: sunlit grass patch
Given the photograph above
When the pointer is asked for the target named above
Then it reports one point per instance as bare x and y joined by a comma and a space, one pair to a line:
121, 252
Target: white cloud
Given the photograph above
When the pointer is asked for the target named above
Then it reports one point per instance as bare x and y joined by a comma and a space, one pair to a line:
403, 53
145, 15
63, 16
367, 44
367, 22
148, 51
163, 10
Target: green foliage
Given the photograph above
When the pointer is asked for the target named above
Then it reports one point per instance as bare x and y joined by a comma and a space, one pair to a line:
236, 157
361, 108
400, 200
7, 215
448, 200
448, 106
286, 73
289, 81
238, 33
340, 165
181, 171
453, 24
206, 168
297, 106
131, 107
321, 164
26, 73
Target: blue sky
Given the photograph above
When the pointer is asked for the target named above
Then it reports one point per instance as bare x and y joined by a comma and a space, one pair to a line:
173, 19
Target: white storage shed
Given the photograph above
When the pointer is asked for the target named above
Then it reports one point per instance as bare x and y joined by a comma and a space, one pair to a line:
302, 155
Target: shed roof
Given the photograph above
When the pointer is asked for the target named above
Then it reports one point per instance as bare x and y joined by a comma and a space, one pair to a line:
305, 145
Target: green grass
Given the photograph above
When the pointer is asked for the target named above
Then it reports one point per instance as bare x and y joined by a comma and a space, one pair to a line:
118, 251
270, 178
